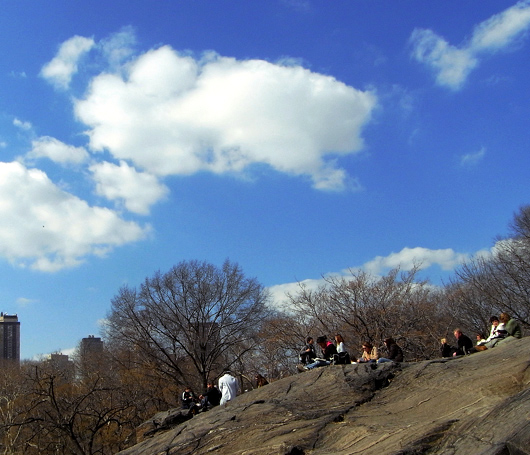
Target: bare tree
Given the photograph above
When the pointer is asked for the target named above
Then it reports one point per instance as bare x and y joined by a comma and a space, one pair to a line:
501, 281
364, 307
194, 319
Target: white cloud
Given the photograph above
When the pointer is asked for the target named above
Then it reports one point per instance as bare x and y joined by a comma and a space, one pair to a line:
138, 190
26, 126
405, 260
471, 159
57, 151
174, 115
64, 65
503, 29
408, 258
452, 64
47, 229
23, 301
119, 46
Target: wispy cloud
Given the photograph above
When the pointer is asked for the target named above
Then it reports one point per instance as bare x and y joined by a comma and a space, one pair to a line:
471, 159
452, 64
23, 301
25, 126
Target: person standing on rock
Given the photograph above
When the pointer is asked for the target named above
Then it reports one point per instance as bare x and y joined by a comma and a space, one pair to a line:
228, 387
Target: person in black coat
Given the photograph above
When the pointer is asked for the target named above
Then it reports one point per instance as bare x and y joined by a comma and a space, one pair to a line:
395, 354
446, 349
212, 394
465, 345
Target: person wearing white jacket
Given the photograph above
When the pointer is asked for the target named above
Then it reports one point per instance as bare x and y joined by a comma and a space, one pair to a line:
228, 387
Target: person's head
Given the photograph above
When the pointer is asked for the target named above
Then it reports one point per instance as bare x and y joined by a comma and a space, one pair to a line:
309, 340
367, 346
388, 341
322, 341
494, 320
443, 340
188, 389
479, 336
209, 385
338, 338
504, 317
457, 333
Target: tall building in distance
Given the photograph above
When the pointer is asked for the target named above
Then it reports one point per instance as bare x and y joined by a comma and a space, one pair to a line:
9, 337
91, 345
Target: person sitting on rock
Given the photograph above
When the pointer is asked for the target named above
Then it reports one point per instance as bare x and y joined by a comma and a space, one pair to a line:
261, 381
446, 349
339, 343
395, 354
212, 395
512, 327
497, 333
464, 343
370, 353
308, 353
328, 350
188, 398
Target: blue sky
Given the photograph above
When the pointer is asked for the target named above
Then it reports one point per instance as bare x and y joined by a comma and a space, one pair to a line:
296, 138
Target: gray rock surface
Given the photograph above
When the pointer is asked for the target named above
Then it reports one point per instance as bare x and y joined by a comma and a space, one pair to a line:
479, 404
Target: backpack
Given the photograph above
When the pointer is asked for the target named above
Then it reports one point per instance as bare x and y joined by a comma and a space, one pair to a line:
342, 358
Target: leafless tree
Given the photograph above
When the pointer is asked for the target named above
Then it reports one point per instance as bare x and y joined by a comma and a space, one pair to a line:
193, 320
501, 281
364, 307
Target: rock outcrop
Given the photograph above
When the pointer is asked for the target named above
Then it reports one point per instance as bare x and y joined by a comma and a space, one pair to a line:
478, 404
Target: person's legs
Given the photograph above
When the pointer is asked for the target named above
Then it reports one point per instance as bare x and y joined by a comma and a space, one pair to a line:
383, 360
318, 363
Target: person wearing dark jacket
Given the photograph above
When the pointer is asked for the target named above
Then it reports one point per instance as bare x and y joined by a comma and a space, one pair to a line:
308, 354
395, 354
465, 345
213, 395
328, 350
188, 398
446, 349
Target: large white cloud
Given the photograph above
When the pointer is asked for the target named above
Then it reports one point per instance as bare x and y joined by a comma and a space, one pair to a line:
171, 114
452, 64
45, 228
137, 190
64, 65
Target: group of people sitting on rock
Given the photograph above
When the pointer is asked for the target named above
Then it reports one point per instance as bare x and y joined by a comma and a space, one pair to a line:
336, 353
213, 396
502, 328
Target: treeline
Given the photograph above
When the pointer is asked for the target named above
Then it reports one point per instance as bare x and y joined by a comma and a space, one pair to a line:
185, 326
